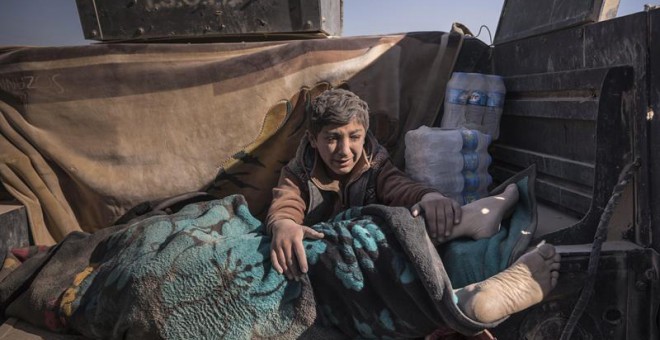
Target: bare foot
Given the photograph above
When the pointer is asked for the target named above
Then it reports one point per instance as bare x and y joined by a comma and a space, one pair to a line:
520, 286
481, 218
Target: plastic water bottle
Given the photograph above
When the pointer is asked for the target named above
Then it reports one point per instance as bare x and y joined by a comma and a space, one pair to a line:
474, 101
494, 105
475, 111
476, 161
473, 140
453, 161
433, 156
456, 98
476, 182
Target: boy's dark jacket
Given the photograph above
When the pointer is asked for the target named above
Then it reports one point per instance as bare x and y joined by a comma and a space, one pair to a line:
307, 195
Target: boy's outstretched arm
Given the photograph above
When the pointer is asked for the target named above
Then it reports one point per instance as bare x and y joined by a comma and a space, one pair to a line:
440, 213
286, 249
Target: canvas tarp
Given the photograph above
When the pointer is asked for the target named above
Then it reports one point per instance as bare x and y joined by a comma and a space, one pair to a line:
88, 132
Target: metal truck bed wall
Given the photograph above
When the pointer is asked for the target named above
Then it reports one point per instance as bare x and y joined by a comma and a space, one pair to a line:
556, 90
564, 134
574, 127
580, 105
623, 306
653, 133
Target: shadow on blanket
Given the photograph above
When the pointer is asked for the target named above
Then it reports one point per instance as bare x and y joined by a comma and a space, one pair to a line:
205, 272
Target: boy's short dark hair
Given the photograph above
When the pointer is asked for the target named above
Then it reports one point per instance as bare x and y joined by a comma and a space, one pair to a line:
337, 107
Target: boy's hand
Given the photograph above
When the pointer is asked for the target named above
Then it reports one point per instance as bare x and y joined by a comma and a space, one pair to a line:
441, 214
286, 248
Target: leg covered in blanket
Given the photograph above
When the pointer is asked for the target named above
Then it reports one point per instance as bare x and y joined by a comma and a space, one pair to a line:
205, 272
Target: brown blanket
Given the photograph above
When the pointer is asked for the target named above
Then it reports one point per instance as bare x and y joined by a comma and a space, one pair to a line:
88, 132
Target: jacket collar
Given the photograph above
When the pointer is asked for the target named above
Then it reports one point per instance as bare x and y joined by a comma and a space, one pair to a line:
324, 181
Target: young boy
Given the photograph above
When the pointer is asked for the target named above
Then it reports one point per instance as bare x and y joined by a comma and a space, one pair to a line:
339, 165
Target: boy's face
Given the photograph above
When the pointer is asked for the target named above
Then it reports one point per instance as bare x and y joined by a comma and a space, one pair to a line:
340, 146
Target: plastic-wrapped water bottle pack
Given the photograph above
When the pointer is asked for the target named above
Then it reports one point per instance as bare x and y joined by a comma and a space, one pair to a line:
474, 101
453, 161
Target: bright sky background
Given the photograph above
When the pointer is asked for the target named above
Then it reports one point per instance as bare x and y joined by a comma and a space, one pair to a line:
56, 22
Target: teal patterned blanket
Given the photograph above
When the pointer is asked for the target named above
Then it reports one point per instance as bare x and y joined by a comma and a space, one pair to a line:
204, 272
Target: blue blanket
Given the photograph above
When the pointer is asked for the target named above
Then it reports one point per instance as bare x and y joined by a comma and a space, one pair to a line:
205, 272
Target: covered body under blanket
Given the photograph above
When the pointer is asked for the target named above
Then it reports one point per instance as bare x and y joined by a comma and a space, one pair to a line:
205, 272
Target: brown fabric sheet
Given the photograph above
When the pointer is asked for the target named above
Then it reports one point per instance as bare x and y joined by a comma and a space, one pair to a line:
88, 132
